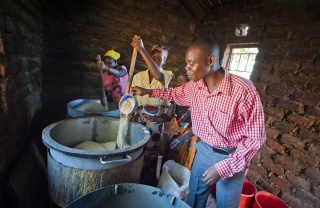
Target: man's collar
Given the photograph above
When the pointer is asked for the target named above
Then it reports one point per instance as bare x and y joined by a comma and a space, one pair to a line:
224, 87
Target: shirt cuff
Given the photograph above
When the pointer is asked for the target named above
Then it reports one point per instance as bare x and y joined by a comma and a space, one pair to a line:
223, 169
153, 93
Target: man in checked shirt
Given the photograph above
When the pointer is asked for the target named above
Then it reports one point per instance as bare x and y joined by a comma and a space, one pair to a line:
227, 115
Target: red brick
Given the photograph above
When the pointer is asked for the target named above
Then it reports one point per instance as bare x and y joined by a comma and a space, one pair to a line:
302, 55
277, 91
316, 191
289, 139
308, 198
265, 185
1, 46
313, 111
314, 43
310, 69
289, 105
280, 182
256, 158
306, 121
253, 176
299, 180
313, 84
313, 174
284, 127
272, 133
304, 157
313, 149
265, 99
288, 163
274, 168
291, 200
296, 82
261, 88
259, 169
287, 67
307, 97
274, 112
309, 134
276, 146
2, 71
268, 77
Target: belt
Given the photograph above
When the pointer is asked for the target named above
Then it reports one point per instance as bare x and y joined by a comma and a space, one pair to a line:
220, 151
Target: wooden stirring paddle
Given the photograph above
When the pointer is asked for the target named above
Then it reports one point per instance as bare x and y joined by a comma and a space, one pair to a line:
124, 123
104, 101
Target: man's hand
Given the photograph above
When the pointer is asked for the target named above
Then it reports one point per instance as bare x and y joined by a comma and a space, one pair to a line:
139, 91
211, 175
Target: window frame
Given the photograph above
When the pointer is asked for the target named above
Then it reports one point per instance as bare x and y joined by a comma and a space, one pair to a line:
228, 52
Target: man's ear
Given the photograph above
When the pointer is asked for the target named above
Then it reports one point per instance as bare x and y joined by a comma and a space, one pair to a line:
212, 59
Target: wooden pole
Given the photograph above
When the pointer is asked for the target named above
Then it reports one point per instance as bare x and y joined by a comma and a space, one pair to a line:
104, 101
131, 70
124, 123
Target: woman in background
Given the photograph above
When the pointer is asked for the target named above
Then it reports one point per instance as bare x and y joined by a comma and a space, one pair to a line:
154, 77
179, 143
115, 76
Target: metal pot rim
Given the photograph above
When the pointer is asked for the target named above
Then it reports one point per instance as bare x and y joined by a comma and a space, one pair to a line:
52, 144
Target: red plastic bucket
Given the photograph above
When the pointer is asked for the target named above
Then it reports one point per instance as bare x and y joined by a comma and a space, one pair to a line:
248, 191
265, 199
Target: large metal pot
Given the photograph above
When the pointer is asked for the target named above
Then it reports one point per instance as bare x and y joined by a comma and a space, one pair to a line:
73, 173
91, 107
128, 195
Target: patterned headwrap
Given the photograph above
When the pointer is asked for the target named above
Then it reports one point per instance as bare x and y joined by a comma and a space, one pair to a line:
162, 49
111, 53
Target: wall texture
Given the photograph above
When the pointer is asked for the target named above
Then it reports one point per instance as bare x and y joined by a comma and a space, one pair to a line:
286, 75
20, 90
82, 29
47, 59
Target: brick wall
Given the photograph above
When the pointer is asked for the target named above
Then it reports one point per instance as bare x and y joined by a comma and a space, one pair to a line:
286, 74
20, 91
47, 55
47, 59
82, 29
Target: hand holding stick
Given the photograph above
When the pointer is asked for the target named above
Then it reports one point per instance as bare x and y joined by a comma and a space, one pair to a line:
103, 94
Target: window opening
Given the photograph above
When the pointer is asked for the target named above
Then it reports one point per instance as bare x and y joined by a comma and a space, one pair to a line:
241, 30
241, 61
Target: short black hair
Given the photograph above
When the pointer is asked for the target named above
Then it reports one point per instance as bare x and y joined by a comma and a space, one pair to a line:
181, 72
209, 47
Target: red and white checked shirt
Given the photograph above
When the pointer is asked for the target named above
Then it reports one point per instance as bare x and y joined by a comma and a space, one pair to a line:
232, 116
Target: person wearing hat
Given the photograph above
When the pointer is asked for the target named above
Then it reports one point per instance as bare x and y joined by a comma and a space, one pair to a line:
115, 76
154, 77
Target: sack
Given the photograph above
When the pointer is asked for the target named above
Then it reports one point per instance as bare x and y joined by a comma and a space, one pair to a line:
174, 179
187, 152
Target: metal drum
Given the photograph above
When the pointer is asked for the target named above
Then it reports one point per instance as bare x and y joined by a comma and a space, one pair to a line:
128, 195
72, 173
91, 107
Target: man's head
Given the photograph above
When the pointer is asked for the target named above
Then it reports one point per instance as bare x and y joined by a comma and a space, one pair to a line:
110, 58
159, 55
202, 57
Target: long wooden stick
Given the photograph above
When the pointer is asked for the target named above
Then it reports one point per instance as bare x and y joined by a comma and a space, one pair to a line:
131, 70
124, 123
103, 93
